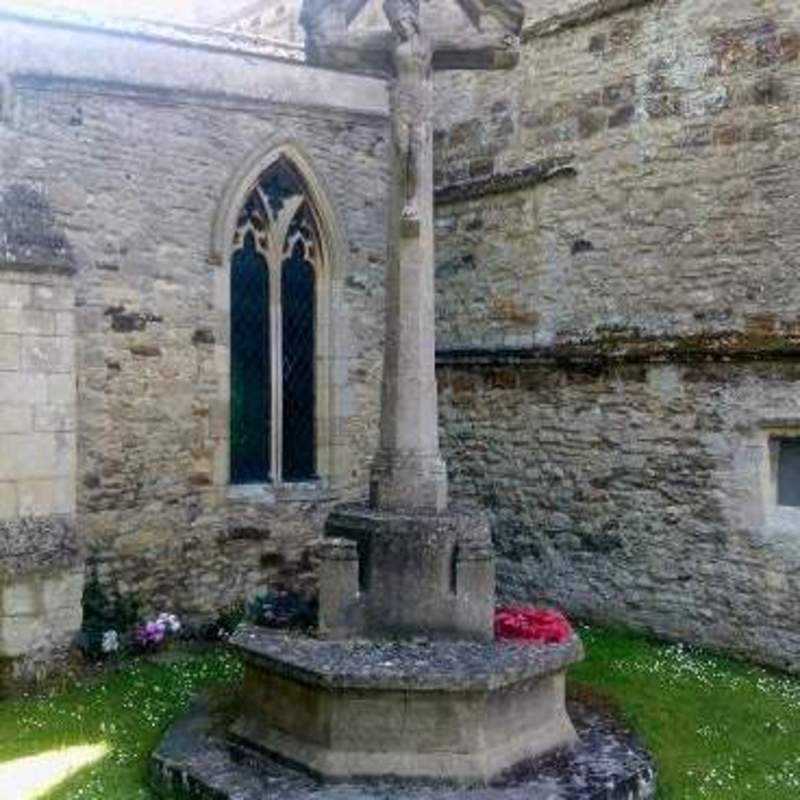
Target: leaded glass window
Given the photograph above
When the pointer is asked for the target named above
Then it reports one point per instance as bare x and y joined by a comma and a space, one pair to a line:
273, 320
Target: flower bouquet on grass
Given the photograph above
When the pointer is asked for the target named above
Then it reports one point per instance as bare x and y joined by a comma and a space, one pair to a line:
152, 635
527, 625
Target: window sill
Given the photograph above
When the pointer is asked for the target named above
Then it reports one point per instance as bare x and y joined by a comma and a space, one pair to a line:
269, 494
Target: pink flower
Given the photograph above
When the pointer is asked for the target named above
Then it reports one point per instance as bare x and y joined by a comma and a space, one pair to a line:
151, 634
535, 625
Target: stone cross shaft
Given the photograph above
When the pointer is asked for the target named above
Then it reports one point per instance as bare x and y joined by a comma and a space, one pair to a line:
408, 472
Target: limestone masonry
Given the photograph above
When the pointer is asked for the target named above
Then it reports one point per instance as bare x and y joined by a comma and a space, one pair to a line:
618, 346
122, 158
618, 312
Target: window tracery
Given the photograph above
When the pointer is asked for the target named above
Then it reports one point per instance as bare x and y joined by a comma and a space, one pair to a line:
274, 270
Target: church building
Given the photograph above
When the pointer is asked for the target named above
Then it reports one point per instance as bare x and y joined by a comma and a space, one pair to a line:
192, 263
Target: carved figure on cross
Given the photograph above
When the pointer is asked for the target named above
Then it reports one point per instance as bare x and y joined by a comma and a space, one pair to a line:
408, 55
408, 472
413, 59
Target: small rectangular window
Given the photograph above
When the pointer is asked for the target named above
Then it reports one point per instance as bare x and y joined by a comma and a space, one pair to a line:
789, 472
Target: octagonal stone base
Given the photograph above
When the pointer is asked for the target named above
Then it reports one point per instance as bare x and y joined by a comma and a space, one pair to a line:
455, 711
196, 759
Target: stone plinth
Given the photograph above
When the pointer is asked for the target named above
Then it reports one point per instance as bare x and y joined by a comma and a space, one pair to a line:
407, 575
453, 711
196, 756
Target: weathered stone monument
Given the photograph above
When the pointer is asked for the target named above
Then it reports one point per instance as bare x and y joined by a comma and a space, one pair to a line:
403, 692
425, 568
443, 702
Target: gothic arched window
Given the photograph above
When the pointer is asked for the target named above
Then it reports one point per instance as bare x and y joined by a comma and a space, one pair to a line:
273, 318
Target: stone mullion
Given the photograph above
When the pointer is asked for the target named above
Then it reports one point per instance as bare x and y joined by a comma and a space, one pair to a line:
271, 254
274, 264
278, 234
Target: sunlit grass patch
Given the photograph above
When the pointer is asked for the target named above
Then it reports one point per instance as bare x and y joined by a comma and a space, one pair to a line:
126, 711
32, 776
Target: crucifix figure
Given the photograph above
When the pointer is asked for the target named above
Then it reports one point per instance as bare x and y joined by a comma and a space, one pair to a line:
413, 102
409, 56
408, 472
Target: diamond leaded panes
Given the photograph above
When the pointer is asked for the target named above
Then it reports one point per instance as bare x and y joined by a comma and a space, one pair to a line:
250, 366
297, 296
273, 309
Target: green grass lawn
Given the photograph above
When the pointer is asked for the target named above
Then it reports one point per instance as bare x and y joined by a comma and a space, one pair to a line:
123, 712
719, 729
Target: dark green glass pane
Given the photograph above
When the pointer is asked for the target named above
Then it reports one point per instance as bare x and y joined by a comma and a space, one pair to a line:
789, 472
250, 366
297, 293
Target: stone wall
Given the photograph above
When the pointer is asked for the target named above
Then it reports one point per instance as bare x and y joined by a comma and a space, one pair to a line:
635, 494
41, 559
143, 146
680, 125
618, 336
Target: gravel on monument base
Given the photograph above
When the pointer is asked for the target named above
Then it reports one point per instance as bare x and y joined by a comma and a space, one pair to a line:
421, 665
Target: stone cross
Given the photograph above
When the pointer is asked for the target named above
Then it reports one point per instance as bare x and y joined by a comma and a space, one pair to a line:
408, 473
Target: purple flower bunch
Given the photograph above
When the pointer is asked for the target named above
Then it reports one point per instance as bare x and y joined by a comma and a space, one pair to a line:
149, 634
153, 633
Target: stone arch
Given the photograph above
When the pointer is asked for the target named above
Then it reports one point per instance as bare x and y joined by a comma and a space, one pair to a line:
244, 180
328, 269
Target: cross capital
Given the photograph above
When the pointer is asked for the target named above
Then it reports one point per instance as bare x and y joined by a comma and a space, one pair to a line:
330, 42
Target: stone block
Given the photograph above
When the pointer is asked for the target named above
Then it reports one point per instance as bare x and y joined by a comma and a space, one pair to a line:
36, 497
64, 495
35, 322
52, 298
66, 454
17, 386
606, 762
15, 295
21, 635
46, 544
40, 612
53, 418
9, 352
16, 418
8, 458
10, 320
65, 323
47, 353
8, 500
622, 116
62, 593
339, 609
60, 389
222, 361
400, 482
21, 598
591, 122
36, 455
